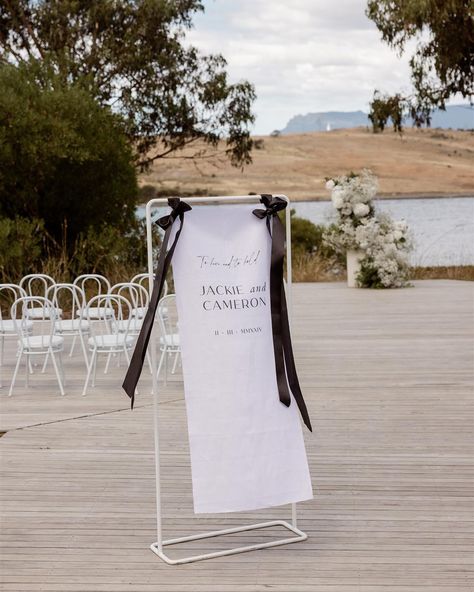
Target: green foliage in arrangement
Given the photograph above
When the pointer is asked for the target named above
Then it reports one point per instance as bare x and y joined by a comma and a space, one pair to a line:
131, 55
441, 66
64, 159
368, 276
307, 238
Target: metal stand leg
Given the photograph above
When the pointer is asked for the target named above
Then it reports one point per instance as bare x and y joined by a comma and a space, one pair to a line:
300, 536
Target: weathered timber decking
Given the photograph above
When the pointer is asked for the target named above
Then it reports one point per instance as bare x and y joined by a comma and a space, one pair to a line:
388, 377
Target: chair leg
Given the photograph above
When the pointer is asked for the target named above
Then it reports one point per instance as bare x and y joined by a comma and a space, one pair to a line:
148, 358
10, 392
43, 369
166, 367
72, 345
58, 375
84, 350
106, 369
27, 375
1, 360
175, 363
61, 367
94, 370
127, 357
163, 353
89, 370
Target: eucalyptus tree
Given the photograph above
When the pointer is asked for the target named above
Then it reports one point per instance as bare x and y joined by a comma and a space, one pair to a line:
133, 56
442, 63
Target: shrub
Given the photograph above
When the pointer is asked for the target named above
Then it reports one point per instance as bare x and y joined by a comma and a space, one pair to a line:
64, 158
307, 237
20, 247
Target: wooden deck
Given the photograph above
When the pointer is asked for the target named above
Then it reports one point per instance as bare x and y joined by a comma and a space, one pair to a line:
388, 377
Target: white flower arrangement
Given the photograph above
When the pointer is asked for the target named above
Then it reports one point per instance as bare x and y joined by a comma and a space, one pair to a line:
386, 243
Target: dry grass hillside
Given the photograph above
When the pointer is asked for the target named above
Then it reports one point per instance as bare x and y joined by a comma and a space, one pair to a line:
421, 162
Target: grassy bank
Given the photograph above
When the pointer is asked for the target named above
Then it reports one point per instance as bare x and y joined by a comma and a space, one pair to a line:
312, 268
425, 162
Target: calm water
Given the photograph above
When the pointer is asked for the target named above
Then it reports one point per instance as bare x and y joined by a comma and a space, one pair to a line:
443, 227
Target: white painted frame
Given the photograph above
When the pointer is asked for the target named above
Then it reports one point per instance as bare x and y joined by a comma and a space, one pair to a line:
157, 547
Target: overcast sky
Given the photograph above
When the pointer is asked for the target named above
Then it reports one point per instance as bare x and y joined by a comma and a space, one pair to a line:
302, 55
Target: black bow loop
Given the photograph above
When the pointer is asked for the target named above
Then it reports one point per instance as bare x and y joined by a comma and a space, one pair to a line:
273, 205
178, 207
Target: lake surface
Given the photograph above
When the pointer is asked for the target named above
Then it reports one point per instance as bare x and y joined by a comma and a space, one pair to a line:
443, 227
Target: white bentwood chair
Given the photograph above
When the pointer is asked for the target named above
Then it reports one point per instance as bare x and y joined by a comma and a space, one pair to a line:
8, 294
37, 284
105, 335
70, 297
94, 284
169, 335
144, 280
138, 297
46, 343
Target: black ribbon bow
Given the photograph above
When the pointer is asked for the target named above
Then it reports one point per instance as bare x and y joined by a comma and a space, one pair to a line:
178, 209
287, 377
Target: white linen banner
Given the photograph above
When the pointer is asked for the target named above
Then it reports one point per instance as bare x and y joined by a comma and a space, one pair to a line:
247, 448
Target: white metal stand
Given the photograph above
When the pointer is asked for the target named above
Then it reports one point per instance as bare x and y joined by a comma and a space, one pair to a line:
160, 543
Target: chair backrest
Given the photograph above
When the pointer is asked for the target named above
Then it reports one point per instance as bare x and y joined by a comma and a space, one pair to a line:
168, 315
36, 284
120, 311
144, 280
68, 298
92, 284
136, 294
20, 315
8, 294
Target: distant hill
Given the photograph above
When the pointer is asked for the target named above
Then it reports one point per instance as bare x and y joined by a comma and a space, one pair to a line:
455, 117
419, 162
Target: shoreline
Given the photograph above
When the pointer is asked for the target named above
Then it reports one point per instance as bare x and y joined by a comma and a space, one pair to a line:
381, 196
387, 196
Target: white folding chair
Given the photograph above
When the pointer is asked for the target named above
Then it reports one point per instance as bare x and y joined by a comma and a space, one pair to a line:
46, 343
169, 335
71, 298
94, 284
8, 294
105, 336
37, 284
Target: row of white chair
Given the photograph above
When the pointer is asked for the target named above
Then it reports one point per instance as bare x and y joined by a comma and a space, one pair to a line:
108, 323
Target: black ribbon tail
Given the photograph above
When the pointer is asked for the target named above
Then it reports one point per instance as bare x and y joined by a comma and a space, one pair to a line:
276, 282
138, 357
290, 363
287, 377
